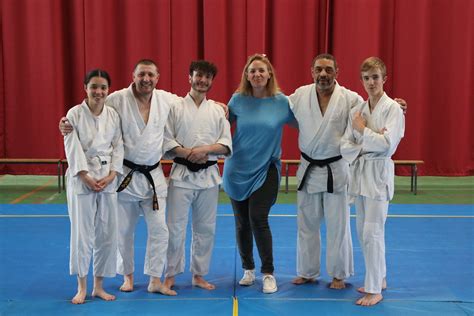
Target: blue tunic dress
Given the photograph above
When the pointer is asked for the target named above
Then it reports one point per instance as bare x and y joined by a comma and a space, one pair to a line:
256, 142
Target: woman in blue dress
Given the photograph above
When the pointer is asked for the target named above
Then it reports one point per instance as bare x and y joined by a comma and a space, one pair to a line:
252, 175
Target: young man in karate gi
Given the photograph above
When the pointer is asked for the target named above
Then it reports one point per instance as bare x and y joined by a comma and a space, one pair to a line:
374, 131
143, 111
322, 110
197, 132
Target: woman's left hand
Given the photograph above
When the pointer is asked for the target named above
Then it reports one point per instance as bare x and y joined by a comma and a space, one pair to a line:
104, 182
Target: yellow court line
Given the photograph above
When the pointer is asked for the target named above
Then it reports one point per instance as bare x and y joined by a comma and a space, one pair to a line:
235, 307
26, 195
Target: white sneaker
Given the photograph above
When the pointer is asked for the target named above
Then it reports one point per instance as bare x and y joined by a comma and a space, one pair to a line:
248, 278
269, 284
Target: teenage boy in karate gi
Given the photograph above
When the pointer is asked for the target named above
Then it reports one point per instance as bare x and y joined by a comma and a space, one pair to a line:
197, 133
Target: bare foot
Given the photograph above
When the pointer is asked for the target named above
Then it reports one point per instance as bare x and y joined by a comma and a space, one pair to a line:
369, 299
103, 295
157, 287
127, 285
79, 298
384, 287
337, 284
169, 282
301, 280
203, 284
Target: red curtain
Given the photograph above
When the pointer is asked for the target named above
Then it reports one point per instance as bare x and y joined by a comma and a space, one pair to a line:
48, 45
428, 48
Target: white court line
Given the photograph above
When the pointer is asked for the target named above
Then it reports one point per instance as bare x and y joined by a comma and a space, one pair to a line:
52, 197
395, 215
32, 216
231, 215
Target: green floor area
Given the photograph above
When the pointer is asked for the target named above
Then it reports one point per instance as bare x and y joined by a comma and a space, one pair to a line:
431, 190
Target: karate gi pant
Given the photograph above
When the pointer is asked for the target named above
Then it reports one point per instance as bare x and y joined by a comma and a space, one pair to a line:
334, 208
203, 203
157, 240
93, 233
371, 217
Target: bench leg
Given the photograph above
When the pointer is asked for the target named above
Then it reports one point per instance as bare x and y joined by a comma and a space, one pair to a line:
412, 177
59, 176
64, 176
286, 178
415, 171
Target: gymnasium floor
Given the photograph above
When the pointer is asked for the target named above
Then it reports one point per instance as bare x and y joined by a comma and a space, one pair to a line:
430, 262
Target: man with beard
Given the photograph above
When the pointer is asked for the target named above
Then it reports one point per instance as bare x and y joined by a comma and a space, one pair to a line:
196, 133
322, 110
143, 111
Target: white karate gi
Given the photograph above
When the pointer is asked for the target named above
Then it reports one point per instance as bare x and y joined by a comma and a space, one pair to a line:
143, 146
191, 126
94, 146
319, 138
372, 180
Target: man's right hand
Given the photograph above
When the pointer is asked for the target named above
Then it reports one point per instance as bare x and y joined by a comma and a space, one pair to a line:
64, 126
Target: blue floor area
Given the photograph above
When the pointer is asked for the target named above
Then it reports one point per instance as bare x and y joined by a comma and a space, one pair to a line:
430, 269
277, 210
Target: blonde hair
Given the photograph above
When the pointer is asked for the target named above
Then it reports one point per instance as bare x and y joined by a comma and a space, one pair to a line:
245, 87
373, 63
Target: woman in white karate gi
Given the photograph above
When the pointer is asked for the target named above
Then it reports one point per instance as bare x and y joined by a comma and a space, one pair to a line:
95, 155
374, 131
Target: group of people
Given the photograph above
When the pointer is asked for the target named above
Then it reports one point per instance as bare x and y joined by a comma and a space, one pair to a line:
115, 143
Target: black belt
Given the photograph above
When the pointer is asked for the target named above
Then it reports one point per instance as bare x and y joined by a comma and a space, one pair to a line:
319, 163
145, 170
194, 167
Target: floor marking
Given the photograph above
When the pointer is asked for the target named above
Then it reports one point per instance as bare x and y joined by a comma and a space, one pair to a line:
52, 197
349, 300
394, 215
228, 215
32, 216
428, 216
235, 307
24, 196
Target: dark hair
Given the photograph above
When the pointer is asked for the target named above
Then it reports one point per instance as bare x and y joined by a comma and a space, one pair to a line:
97, 73
325, 56
147, 62
204, 66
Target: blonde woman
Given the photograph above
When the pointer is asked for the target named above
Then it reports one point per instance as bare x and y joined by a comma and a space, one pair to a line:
252, 175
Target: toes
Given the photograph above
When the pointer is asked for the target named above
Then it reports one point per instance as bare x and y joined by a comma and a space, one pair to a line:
301, 280
126, 288
166, 291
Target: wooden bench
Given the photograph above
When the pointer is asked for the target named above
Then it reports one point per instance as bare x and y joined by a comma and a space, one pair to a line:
63, 163
35, 161
287, 163
412, 163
